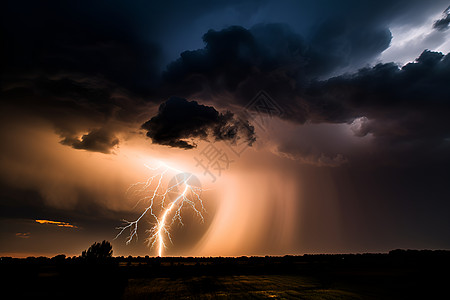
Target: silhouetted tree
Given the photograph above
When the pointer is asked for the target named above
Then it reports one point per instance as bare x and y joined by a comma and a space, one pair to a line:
98, 252
60, 258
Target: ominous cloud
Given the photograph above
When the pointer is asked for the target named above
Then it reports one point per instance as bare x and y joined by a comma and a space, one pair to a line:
77, 67
179, 120
97, 140
270, 57
393, 103
94, 41
405, 104
403, 110
82, 68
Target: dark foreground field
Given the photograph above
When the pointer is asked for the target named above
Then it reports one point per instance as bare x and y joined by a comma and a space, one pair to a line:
397, 275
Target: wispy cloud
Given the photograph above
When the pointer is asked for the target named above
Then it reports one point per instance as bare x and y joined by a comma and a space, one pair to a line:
57, 223
23, 235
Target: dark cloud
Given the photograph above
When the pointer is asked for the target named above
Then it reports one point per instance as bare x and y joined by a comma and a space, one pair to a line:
83, 66
97, 140
338, 43
442, 24
179, 121
373, 92
405, 109
236, 63
402, 107
79, 67
270, 56
54, 38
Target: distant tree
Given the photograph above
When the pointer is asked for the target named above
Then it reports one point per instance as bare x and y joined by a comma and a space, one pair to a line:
98, 251
59, 258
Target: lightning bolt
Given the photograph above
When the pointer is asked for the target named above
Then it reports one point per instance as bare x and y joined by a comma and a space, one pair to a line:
150, 191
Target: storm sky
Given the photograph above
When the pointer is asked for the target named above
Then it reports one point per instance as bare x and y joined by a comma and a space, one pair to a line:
333, 117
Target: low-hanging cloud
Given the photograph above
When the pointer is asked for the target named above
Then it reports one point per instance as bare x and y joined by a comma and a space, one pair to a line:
97, 140
180, 121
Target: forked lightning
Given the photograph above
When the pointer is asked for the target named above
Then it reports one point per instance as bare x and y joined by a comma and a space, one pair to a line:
152, 193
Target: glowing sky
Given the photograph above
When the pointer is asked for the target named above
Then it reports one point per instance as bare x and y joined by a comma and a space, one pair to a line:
345, 150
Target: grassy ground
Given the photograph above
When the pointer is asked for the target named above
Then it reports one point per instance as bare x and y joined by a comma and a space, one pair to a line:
233, 287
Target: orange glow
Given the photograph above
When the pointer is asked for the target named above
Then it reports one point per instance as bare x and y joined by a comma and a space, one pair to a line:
255, 215
252, 208
57, 223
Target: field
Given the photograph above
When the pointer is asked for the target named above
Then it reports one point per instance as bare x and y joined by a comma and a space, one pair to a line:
404, 275
233, 287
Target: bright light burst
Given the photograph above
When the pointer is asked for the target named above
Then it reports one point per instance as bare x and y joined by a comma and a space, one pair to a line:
182, 190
